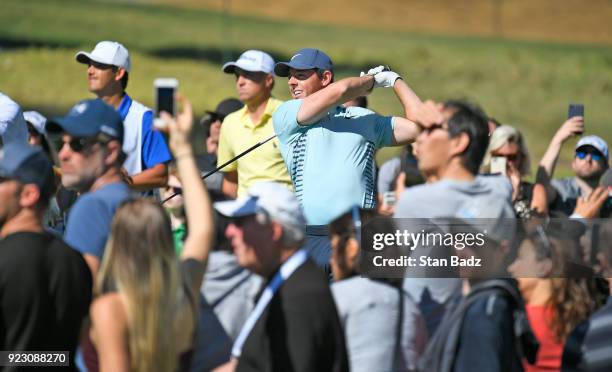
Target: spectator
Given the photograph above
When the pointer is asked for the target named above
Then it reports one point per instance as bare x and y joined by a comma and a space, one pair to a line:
556, 300
175, 207
141, 271
90, 159
45, 286
507, 142
295, 325
54, 215
250, 125
451, 153
37, 135
12, 124
363, 303
147, 153
207, 162
328, 148
393, 176
586, 348
228, 294
486, 330
589, 164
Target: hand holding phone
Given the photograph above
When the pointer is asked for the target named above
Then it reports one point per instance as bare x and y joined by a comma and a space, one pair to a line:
575, 109
498, 165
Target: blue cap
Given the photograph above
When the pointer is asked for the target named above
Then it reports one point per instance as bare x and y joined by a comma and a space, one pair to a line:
27, 164
88, 119
305, 59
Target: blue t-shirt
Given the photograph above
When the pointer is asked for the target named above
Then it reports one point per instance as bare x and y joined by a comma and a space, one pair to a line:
331, 162
89, 220
153, 146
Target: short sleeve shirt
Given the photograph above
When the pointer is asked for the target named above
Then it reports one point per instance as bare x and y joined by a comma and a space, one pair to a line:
568, 192
331, 162
238, 133
90, 218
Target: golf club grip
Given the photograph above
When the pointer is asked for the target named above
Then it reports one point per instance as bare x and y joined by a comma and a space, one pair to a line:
227, 163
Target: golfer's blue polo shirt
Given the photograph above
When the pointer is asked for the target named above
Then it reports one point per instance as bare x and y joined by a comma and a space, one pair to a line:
331, 163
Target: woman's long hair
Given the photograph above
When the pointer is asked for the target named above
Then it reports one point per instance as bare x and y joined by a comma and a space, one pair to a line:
140, 263
573, 287
503, 135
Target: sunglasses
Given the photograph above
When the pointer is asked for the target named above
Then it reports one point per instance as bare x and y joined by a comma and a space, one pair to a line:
594, 155
434, 127
79, 144
175, 189
241, 221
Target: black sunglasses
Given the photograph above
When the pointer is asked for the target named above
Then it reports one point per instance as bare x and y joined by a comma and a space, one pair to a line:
79, 144
174, 189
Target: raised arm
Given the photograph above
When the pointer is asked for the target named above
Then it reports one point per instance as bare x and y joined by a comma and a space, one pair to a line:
198, 206
316, 105
570, 128
546, 168
418, 114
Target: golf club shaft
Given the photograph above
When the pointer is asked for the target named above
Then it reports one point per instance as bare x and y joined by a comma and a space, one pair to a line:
228, 162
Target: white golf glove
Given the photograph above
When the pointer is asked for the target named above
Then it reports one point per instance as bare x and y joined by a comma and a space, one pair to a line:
383, 77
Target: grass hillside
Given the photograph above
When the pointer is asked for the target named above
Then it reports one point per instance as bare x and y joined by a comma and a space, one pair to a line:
552, 20
528, 84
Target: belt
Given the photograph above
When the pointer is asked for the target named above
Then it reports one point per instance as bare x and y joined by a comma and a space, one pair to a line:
318, 230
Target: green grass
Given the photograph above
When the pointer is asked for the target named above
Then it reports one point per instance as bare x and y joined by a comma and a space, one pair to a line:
526, 84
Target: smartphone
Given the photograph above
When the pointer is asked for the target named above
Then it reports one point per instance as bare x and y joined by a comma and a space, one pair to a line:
165, 98
498, 165
575, 109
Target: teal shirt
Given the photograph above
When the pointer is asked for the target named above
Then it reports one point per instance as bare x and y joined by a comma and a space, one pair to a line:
331, 162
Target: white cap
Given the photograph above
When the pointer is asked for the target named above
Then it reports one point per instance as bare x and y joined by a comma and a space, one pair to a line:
12, 125
108, 53
271, 197
251, 60
596, 142
37, 120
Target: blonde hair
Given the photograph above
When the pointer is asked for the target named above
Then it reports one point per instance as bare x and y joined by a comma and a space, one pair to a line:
140, 263
503, 135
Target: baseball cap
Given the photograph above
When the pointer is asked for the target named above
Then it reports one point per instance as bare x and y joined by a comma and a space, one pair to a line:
224, 108
37, 120
27, 164
490, 215
12, 125
305, 59
107, 52
272, 198
595, 141
251, 60
87, 119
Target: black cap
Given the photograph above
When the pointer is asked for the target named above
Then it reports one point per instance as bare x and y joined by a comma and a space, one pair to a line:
224, 108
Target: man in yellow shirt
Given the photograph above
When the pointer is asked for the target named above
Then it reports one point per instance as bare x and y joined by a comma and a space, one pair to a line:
250, 125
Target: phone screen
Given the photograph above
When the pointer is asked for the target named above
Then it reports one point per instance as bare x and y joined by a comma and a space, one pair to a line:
165, 100
575, 109
498, 165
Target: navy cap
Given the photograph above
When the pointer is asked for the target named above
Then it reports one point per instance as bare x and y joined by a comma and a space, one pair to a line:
27, 164
305, 59
226, 107
88, 119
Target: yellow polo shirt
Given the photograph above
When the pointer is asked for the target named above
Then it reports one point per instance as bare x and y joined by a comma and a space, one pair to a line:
265, 163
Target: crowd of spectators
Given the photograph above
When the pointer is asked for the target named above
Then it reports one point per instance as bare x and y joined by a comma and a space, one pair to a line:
122, 246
